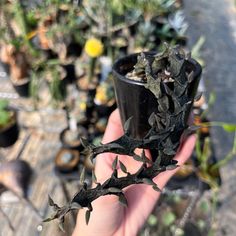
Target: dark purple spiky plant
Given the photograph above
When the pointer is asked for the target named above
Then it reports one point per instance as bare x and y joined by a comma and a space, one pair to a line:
171, 77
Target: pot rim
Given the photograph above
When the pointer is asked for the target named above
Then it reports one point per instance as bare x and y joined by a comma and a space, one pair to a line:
67, 166
22, 82
118, 63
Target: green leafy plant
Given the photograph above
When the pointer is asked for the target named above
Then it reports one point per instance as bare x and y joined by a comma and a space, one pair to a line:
5, 114
16, 48
52, 74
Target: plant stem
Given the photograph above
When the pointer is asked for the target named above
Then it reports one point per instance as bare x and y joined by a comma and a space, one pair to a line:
92, 68
213, 211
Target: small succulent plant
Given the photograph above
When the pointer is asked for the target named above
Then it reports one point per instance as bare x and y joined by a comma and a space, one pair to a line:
168, 76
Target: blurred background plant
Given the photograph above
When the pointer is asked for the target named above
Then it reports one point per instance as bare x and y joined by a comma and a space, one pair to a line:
5, 114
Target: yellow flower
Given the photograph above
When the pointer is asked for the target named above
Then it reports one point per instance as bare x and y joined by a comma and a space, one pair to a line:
93, 47
83, 106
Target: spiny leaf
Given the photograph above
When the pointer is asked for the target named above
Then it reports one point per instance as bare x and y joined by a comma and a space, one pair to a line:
174, 162
155, 137
143, 156
156, 188
158, 161
151, 119
123, 200
127, 125
114, 190
148, 181
82, 176
49, 219
75, 206
191, 77
84, 142
163, 103
87, 216
171, 167
114, 164
123, 168
61, 226
115, 146
50, 201
197, 98
94, 178
137, 158
169, 151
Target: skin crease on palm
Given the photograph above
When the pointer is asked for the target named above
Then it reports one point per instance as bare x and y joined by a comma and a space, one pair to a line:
109, 217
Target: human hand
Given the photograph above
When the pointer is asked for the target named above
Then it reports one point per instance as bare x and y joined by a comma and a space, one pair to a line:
109, 217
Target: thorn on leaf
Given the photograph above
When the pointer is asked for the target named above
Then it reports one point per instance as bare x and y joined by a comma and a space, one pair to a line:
87, 216
114, 190
122, 167
123, 200
127, 125
82, 176
114, 164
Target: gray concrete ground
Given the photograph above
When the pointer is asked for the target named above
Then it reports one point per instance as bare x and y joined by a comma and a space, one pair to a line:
216, 20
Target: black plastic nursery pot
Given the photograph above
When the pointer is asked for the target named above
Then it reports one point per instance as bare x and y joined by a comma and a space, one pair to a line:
135, 101
74, 49
10, 133
76, 144
23, 88
70, 73
66, 160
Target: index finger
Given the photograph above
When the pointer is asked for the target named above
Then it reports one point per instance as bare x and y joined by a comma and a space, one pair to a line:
114, 128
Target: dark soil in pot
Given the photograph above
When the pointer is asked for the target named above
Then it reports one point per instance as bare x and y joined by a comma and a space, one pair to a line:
9, 134
66, 160
22, 87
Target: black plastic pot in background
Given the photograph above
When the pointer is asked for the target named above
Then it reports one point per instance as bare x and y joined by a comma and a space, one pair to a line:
134, 100
74, 49
76, 145
90, 105
66, 160
49, 54
70, 73
10, 134
133, 28
23, 89
5, 67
